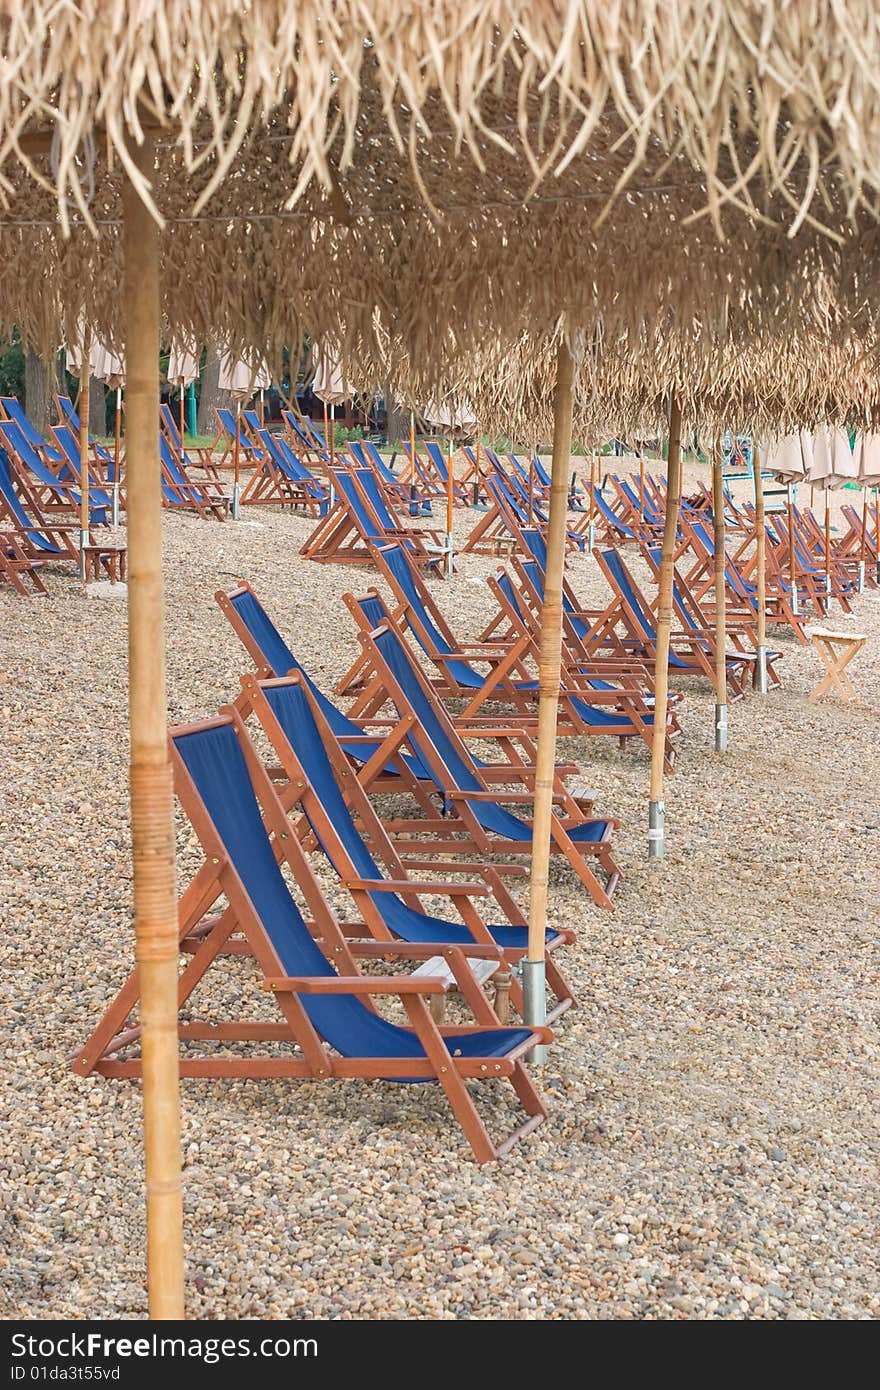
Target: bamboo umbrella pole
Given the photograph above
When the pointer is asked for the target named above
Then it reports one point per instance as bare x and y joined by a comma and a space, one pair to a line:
152, 814
792, 553
863, 541
591, 515
413, 508
656, 805
720, 606
236, 463
83, 405
532, 489
117, 456
534, 969
479, 475
449, 503
761, 595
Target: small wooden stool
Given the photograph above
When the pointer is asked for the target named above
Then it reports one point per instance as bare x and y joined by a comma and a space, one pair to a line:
105, 562
837, 650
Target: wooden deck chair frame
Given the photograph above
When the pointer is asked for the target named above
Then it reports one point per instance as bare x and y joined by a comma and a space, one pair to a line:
218, 878
461, 819
298, 794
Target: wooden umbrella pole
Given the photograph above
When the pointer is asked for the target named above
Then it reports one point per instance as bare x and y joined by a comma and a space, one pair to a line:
413, 507
182, 416
792, 554
236, 463
152, 810
761, 595
877, 528
641, 486
479, 477
117, 456
720, 605
83, 406
863, 542
591, 514
827, 545
535, 1000
531, 488
449, 501
656, 805
262, 409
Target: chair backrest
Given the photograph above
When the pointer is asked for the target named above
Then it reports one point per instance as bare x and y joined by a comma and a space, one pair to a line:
16, 412
685, 609
71, 424
168, 420
620, 578
13, 504
400, 664
216, 767
394, 559
68, 413
278, 657
438, 458
367, 479
345, 484
290, 706
172, 467
536, 543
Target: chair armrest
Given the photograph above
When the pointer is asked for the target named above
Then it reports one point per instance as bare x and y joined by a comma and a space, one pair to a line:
514, 870
355, 984
520, 798
422, 950
422, 888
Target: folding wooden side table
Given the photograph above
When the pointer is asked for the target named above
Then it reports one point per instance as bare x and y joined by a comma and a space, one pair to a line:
837, 650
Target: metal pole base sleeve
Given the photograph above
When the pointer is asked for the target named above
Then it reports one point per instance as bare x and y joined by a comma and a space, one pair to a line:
447, 564
861, 576
656, 829
720, 728
535, 1004
83, 542
761, 671
236, 502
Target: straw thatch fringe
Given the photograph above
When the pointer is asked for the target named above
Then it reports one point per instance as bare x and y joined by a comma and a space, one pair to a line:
753, 95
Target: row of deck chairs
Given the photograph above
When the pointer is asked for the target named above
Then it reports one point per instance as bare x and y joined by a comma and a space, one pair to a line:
264, 827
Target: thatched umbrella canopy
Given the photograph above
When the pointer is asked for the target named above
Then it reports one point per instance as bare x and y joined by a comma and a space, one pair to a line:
676, 179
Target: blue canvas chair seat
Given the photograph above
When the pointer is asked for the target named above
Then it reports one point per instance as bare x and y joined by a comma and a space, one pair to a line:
281, 661
63, 490
493, 817
290, 706
14, 409
215, 762
35, 536
69, 444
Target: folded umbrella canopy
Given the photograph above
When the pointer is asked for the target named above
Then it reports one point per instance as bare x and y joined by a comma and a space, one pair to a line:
788, 459
242, 377
867, 459
183, 364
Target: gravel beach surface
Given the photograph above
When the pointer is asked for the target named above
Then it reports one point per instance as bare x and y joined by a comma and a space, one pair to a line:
712, 1146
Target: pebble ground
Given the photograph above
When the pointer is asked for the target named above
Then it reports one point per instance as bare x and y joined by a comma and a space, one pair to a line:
712, 1145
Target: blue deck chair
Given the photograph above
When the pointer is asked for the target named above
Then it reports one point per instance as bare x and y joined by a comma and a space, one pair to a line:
71, 421
293, 469
271, 654
332, 1029
15, 411
68, 442
332, 820
35, 535
61, 490
431, 640
612, 521
491, 827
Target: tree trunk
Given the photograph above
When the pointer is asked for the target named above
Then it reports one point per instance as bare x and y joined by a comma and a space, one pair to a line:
97, 406
397, 426
211, 395
37, 391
